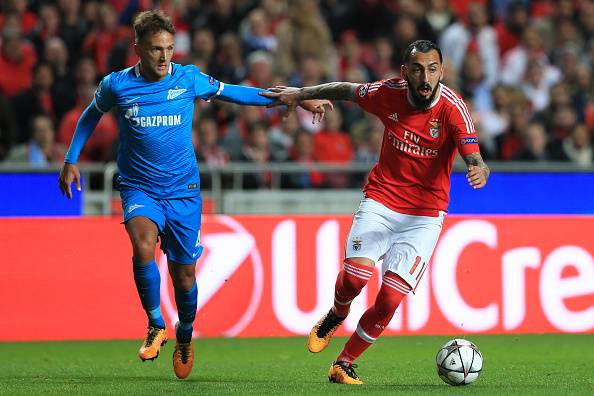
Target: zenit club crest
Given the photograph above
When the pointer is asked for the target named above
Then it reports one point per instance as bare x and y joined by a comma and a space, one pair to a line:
434, 125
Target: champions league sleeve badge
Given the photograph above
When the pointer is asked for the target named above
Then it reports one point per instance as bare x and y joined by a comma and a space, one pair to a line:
363, 89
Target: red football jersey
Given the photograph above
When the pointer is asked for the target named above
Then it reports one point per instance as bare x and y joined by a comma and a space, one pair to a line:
412, 175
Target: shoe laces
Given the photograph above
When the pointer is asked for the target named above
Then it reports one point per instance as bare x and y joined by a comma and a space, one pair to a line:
349, 368
328, 324
152, 334
184, 351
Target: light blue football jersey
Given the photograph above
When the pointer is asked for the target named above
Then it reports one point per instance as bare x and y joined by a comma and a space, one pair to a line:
155, 151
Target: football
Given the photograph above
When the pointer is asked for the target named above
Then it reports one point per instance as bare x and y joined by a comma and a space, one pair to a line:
459, 362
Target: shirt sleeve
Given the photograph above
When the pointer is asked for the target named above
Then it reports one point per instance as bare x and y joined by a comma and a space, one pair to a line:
84, 128
205, 86
369, 96
463, 130
104, 97
243, 95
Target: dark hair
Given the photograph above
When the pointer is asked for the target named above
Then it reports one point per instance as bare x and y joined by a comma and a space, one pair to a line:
151, 22
421, 45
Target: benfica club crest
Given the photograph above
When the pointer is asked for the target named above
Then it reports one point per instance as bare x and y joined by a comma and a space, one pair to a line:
357, 241
434, 125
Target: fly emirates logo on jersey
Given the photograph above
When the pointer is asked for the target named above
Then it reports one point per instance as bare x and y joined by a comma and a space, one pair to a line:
410, 144
160, 120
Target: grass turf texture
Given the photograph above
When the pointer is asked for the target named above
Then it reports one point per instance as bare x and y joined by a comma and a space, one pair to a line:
522, 365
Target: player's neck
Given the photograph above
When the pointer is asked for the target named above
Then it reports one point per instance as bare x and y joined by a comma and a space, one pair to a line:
150, 77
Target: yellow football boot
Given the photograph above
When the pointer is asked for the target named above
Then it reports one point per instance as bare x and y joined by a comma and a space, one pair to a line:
322, 332
154, 340
343, 373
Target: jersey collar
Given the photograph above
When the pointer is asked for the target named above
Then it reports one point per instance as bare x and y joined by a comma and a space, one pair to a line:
137, 69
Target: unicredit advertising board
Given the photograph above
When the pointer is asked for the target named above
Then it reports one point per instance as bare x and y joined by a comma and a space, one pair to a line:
265, 276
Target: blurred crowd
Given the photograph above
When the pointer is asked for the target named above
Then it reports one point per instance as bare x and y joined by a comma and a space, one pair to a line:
523, 67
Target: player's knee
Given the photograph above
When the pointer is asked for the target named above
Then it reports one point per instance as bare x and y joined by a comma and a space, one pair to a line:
183, 283
183, 277
353, 283
388, 299
359, 275
144, 249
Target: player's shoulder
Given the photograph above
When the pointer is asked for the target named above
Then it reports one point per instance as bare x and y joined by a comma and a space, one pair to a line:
455, 107
119, 78
450, 97
191, 71
179, 69
390, 84
124, 75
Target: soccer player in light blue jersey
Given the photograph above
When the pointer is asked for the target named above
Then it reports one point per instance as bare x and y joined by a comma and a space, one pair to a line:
159, 181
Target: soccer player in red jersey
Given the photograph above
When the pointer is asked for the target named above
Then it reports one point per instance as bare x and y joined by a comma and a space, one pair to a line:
406, 196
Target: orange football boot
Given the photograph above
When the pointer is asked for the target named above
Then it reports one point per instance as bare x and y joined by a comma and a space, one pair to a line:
343, 373
322, 332
154, 340
183, 358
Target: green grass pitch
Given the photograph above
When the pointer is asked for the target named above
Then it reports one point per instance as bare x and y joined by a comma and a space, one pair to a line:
518, 365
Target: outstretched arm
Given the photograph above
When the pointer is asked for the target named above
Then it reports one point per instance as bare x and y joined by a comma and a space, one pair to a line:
478, 172
330, 91
291, 96
255, 96
84, 128
243, 95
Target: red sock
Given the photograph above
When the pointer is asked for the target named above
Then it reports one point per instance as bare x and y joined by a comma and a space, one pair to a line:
376, 318
349, 283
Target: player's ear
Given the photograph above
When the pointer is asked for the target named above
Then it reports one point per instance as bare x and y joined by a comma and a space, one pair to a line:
136, 49
403, 71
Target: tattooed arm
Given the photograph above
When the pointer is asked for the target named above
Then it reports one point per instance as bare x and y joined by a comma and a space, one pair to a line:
331, 91
291, 96
478, 172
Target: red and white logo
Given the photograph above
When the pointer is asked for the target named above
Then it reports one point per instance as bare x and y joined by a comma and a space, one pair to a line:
230, 270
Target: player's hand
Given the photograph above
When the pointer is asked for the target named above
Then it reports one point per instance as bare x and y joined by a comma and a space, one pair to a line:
68, 174
476, 177
288, 96
317, 107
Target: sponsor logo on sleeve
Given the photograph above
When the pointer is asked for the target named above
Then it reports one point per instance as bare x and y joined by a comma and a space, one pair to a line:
469, 140
211, 80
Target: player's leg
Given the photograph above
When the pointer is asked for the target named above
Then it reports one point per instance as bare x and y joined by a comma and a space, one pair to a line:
183, 277
181, 244
371, 325
403, 266
349, 283
141, 217
364, 246
143, 235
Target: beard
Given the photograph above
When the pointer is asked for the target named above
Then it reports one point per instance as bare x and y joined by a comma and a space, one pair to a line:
417, 99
